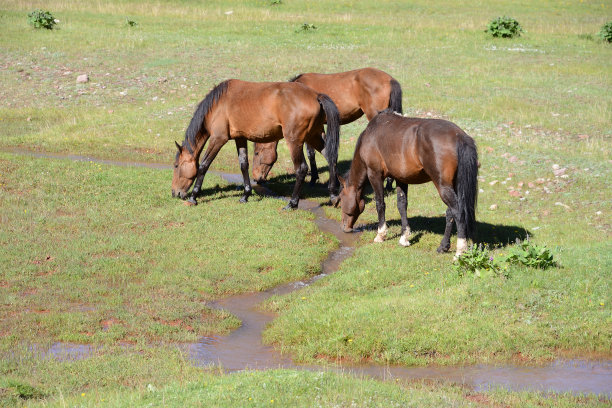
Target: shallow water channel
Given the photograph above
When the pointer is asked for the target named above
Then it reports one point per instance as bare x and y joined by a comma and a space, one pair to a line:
243, 348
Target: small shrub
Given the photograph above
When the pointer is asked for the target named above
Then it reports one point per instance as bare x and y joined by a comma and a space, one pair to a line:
530, 254
276, 2
131, 23
505, 27
42, 19
306, 27
606, 32
477, 261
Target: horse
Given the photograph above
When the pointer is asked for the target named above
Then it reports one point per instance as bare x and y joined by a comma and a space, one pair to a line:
366, 90
259, 112
414, 151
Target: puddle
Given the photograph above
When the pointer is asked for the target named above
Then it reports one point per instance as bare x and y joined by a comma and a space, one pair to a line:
243, 349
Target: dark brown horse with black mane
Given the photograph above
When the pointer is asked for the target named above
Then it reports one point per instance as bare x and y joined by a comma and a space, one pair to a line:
414, 151
259, 112
366, 90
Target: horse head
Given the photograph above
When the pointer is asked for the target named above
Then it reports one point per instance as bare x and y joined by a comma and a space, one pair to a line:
352, 204
185, 171
264, 157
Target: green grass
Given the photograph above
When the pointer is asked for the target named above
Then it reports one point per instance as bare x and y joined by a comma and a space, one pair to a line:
101, 255
105, 255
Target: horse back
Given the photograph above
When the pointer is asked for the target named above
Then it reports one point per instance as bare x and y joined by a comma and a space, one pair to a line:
411, 150
354, 92
260, 110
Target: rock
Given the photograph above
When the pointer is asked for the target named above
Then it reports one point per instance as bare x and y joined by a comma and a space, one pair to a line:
83, 78
492, 183
560, 204
493, 207
514, 193
559, 172
555, 167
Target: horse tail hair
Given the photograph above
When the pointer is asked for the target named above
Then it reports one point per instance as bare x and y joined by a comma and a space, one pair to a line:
395, 97
467, 182
332, 134
198, 122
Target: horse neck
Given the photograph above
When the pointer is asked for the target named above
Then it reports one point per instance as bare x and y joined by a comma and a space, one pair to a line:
358, 173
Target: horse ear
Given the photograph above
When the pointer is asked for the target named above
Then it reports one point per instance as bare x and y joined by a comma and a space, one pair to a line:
342, 181
178, 146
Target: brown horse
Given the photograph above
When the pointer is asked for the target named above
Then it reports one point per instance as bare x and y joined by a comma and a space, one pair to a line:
414, 151
366, 90
259, 112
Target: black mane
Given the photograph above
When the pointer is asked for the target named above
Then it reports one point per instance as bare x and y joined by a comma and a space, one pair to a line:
197, 123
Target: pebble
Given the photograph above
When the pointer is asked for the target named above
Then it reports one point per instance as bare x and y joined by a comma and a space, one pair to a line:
83, 78
493, 207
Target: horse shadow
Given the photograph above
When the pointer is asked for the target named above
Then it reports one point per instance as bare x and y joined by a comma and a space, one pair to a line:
282, 184
492, 235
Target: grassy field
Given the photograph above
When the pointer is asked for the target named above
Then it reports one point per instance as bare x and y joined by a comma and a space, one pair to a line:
101, 256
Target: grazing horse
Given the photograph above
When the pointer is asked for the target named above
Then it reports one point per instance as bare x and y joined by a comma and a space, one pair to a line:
366, 90
414, 151
259, 112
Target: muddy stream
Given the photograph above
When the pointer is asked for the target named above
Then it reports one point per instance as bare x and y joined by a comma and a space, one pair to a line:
243, 348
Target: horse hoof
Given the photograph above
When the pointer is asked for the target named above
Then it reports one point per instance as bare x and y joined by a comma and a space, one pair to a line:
403, 241
379, 239
190, 202
442, 250
290, 206
244, 200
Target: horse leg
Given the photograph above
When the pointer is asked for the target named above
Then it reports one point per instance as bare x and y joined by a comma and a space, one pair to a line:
301, 168
214, 145
318, 144
445, 244
314, 172
402, 204
376, 180
449, 197
243, 159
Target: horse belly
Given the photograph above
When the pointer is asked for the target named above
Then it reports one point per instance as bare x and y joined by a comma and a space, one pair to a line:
409, 171
258, 134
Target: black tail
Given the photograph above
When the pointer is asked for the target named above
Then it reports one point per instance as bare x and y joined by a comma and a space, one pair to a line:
395, 98
332, 138
467, 182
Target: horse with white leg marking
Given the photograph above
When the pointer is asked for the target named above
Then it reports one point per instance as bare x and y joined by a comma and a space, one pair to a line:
414, 151
259, 112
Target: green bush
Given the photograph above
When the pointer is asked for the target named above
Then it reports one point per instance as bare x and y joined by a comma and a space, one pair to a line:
477, 261
41, 19
505, 27
306, 27
606, 32
530, 254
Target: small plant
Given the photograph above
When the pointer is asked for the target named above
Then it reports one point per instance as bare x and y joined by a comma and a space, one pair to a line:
276, 2
606, 32
477, 261
131, 23
42, 19
530, 254
505, 27
306, 27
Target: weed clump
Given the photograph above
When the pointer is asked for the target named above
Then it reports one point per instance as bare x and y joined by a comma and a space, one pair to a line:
505, 27
306, 27
530, 254
477, 261
606, 32
42, 19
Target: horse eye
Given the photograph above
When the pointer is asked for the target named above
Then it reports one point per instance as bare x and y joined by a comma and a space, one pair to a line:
176, 166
